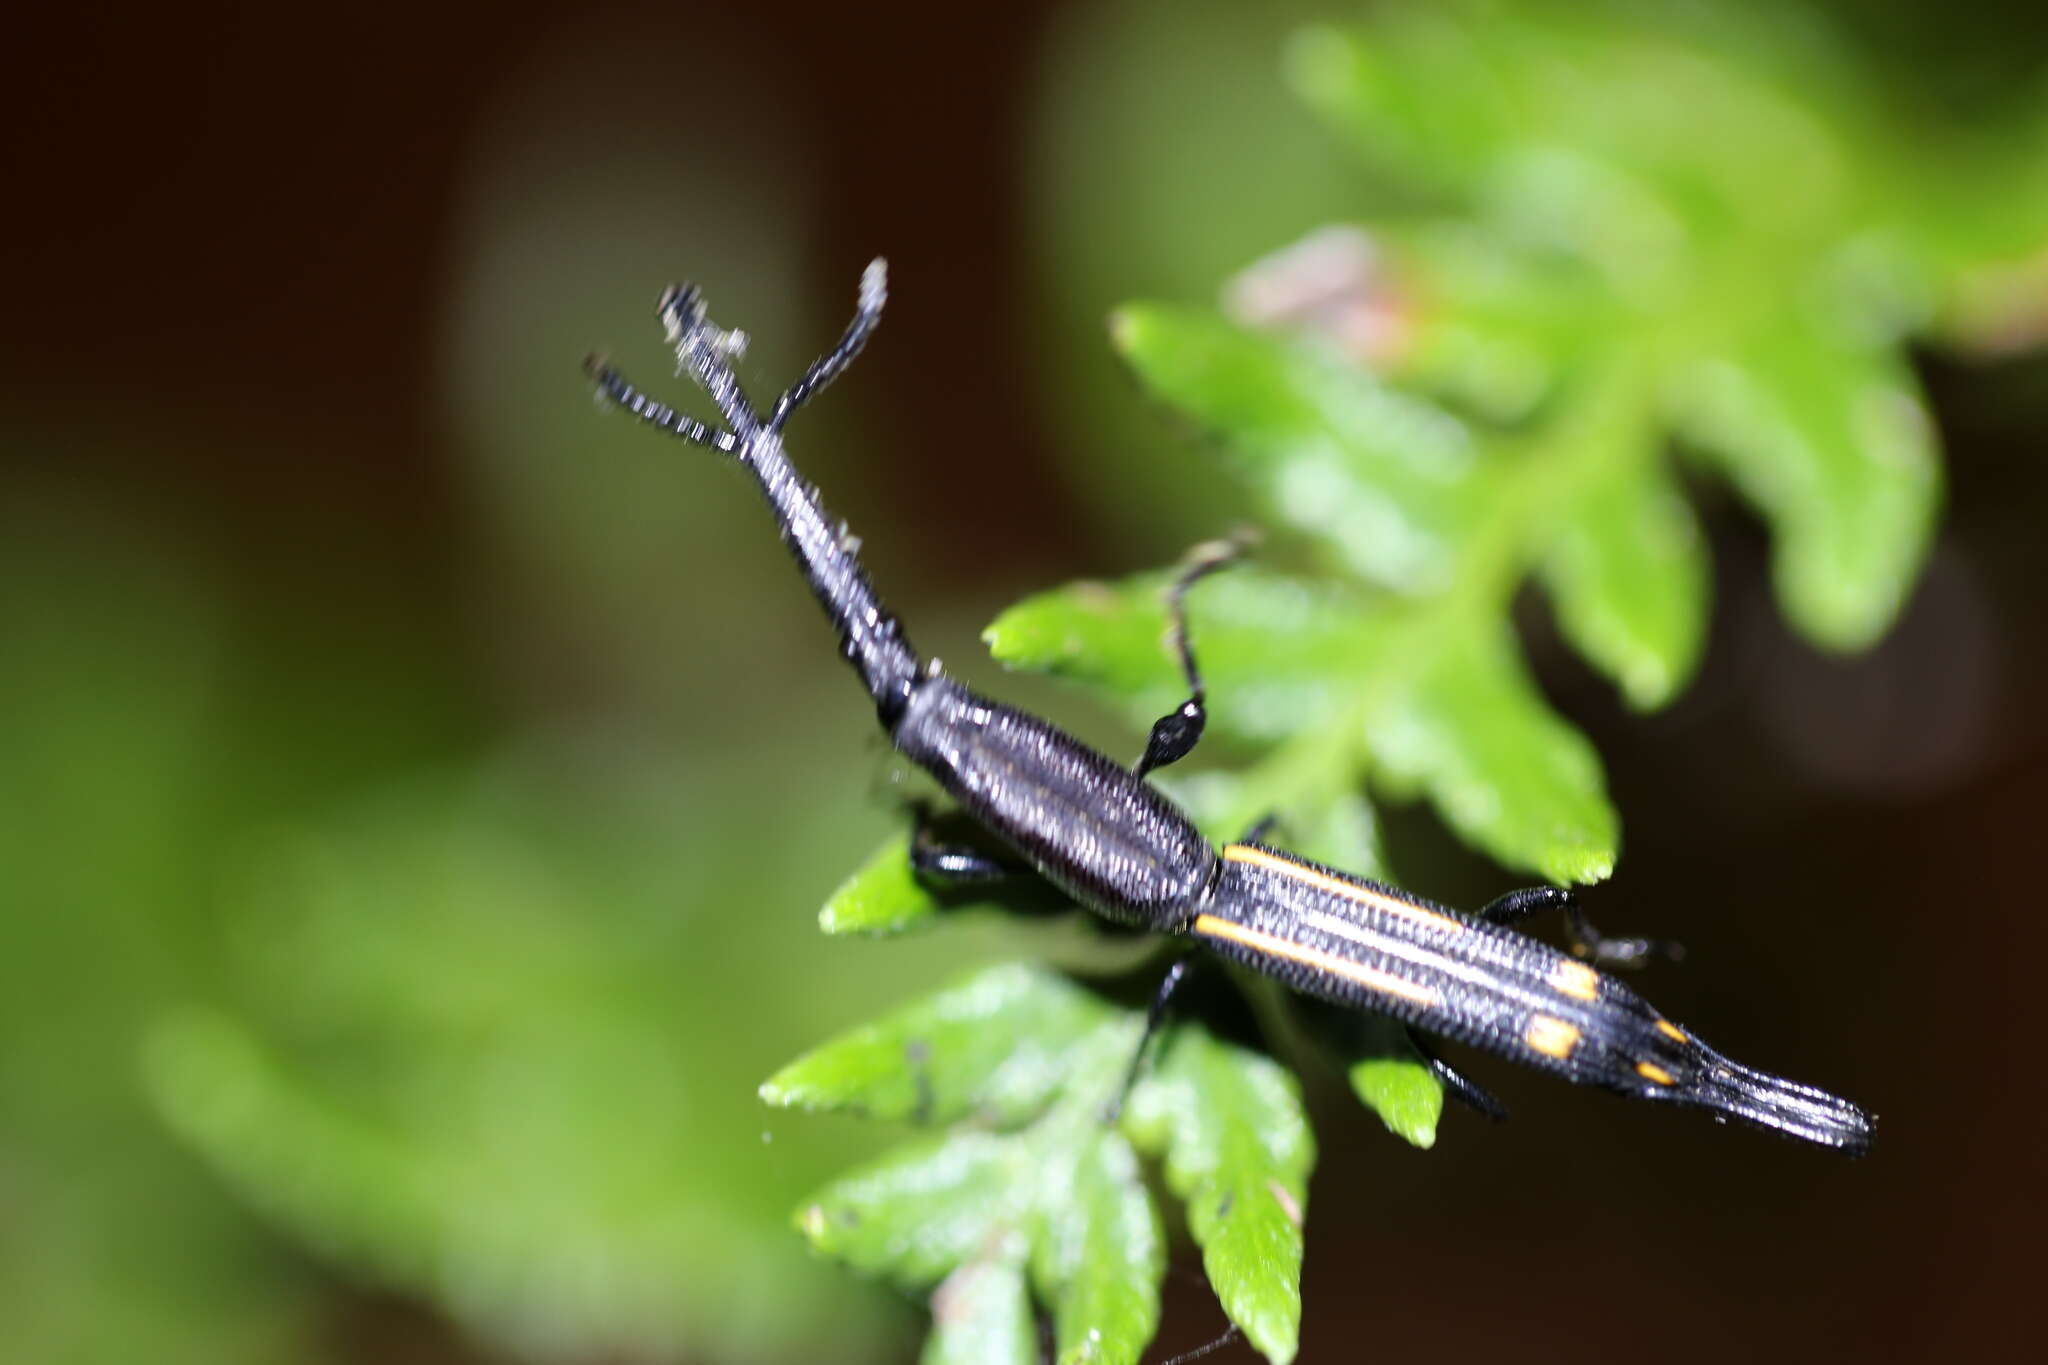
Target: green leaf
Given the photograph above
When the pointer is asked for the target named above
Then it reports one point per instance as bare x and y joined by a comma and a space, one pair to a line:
921, 1211
883, 897
1503, 770
467, 979
1383, 478
1063, 1191
981, 1315
1390, 1077
1276, 651
1493, 327
1336, 826
1238, 1153
1417, 94
1835, 446
1101, 1254
994, 1047
230, 1098
1444, 709
1627, 570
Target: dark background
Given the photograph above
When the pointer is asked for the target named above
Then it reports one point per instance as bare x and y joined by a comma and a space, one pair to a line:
234, 240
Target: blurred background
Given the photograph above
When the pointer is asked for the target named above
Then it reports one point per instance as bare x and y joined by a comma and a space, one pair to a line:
416, 787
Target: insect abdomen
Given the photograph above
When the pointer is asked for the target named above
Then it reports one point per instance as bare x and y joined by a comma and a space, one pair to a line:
1369, 946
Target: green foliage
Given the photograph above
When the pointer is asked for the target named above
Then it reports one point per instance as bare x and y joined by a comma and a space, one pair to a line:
468, 981
1622, 241
113, 1243
882, 897
1393, 1081
1035, 1184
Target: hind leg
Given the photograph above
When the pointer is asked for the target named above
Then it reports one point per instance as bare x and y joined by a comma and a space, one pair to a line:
1455, 1083
1586, 941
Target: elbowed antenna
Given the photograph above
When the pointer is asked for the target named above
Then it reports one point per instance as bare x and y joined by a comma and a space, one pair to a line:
869, 634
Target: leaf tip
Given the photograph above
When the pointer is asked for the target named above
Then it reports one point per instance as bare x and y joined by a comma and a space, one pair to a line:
811, 1222
1581, 866
1126, 328
883, 897
1280, 1352
1648, 682
1003, 638
1421, 1136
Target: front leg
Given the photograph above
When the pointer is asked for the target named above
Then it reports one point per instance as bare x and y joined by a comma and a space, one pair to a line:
1155, 1014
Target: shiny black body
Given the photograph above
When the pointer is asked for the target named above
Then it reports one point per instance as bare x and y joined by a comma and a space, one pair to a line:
1099, 831
1082, 821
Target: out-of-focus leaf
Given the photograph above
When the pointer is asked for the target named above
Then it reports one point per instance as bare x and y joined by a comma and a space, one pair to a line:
1417, 95
1237, 1149
994, 1048
981, 1315
1385, 480
1501, 767
1966, 210
1490, 326
1336, 826
305, 1165
1392, 1079
1834, 444
883, 897
123, 765
1626, 569
1275, 651
462, 981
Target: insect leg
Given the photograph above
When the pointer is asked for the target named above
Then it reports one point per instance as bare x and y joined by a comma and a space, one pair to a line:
944, 864
1228, 1337
1154, 1013
1586, 941
1466, 1091
1261, 827
1175, 734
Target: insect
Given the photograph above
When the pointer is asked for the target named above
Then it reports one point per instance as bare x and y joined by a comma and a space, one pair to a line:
1103, 834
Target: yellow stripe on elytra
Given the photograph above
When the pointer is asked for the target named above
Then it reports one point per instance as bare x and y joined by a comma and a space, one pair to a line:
1672, 1031
1551, 1036
1650, 1071
1372, 978
1337, 886
1576, 979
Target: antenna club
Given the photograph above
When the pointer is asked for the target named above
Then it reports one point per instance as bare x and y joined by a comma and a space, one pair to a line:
874, 285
